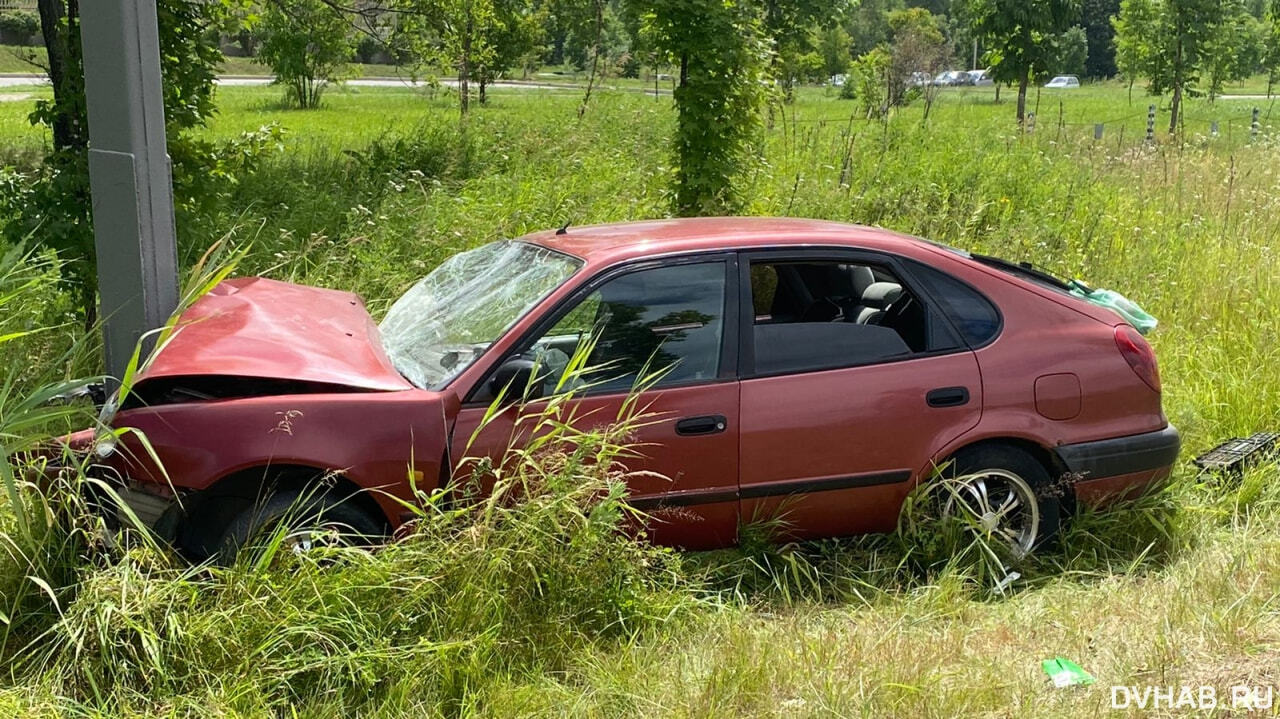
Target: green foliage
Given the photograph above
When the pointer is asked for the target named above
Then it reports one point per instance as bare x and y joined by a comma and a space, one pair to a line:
51, 203
868, 24
721, 54
1171, 42
18, 25
1271, 43
454, 34
1235, 50
1072, 53
517, 38
918, 45
833, 47
869, 79
788, 24
307, 44
1095, 18
1021, 37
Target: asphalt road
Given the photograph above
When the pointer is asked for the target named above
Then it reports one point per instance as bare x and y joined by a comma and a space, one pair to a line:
25, 80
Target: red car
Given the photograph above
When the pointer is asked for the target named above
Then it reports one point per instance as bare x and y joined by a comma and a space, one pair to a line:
818, 369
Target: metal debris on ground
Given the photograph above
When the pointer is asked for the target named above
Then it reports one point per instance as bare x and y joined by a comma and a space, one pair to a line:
1237, 453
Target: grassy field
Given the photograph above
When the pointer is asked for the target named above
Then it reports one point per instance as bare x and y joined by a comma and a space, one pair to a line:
374, 189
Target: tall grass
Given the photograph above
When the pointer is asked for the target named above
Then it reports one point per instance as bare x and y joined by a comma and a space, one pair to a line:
541, 607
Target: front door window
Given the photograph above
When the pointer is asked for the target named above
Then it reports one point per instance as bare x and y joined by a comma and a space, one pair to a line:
664, 323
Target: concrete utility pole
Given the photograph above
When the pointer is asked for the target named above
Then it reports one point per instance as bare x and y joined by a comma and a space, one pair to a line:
129, 173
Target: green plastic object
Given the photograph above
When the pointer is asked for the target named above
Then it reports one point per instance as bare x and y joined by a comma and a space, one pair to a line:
1116, 302
1065, 673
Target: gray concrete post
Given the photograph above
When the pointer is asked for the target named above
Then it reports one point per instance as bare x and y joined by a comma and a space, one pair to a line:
129, 173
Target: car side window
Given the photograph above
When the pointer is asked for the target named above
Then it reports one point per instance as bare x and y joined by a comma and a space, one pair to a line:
664, 319
812, 315
972, 314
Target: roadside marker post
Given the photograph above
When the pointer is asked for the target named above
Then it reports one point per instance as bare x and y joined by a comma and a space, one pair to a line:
1254, 126
1151, 123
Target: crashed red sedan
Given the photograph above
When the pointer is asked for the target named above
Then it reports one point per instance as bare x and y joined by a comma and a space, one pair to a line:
817, 369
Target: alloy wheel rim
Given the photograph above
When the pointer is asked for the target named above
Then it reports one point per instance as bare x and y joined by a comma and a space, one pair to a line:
1001, 505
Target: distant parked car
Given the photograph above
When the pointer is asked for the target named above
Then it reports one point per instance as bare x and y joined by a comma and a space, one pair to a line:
1064, 81
952, 78
838, 80
814, 370
980, 78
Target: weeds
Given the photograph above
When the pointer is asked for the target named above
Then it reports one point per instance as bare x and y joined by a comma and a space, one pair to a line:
537, 604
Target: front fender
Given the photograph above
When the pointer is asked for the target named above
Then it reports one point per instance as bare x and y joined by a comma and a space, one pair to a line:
377, 440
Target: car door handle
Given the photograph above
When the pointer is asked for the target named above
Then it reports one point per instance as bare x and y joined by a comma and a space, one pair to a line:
948, 397
709, 424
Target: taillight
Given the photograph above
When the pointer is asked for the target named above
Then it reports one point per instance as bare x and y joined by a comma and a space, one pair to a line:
1141, 359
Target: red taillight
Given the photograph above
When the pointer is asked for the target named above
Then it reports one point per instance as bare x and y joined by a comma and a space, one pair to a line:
1141, 359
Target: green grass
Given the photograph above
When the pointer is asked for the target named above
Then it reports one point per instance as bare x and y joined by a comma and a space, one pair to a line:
374, 189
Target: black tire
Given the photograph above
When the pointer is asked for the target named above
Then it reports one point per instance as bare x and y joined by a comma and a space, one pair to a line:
1006, 458
302, 510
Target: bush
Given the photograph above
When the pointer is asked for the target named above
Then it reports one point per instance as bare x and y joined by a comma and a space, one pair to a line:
307, 45
17, 27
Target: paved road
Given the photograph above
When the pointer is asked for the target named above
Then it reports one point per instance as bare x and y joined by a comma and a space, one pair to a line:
24, 80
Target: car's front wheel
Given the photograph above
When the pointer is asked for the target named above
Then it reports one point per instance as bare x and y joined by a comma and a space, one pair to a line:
1003, 493
300, 521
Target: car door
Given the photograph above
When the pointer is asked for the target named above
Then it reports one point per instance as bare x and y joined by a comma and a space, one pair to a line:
678, 316
851, 380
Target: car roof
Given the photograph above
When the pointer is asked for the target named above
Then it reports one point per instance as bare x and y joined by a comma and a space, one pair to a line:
608, 244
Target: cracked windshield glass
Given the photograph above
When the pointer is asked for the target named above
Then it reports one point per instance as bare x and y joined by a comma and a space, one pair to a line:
450, 317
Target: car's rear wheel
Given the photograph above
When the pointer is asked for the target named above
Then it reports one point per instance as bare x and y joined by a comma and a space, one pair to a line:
306, 521
1005, 494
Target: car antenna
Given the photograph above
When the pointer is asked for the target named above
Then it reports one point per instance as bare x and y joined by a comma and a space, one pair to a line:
564, 229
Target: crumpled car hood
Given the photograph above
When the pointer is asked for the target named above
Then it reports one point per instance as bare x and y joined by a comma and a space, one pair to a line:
256, 327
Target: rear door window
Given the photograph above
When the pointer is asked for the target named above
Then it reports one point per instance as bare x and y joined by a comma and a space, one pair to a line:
973, 315
825, 314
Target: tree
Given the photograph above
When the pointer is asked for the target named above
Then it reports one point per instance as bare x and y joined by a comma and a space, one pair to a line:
869, 81
1166, 42
868, 24
1271, 44
787, 24
833, 48
1095, 18
53, 205
721, 52
1021, 38
307, 44
517, 32
1072, 52
1235, 49
451, 33
918, 45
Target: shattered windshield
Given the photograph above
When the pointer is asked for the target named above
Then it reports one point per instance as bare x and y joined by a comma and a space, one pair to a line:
450, 317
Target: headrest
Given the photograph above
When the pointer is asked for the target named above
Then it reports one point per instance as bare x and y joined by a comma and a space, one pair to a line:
881, 294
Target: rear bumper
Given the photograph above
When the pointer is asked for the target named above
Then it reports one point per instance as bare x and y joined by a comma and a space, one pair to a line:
1122, 467
1122, 455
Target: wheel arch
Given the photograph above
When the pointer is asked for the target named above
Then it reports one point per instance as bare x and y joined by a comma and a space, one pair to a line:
196, 526
1047, 458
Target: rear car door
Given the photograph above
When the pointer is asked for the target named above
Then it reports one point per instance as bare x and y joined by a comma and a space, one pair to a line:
851, 380
678, 316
